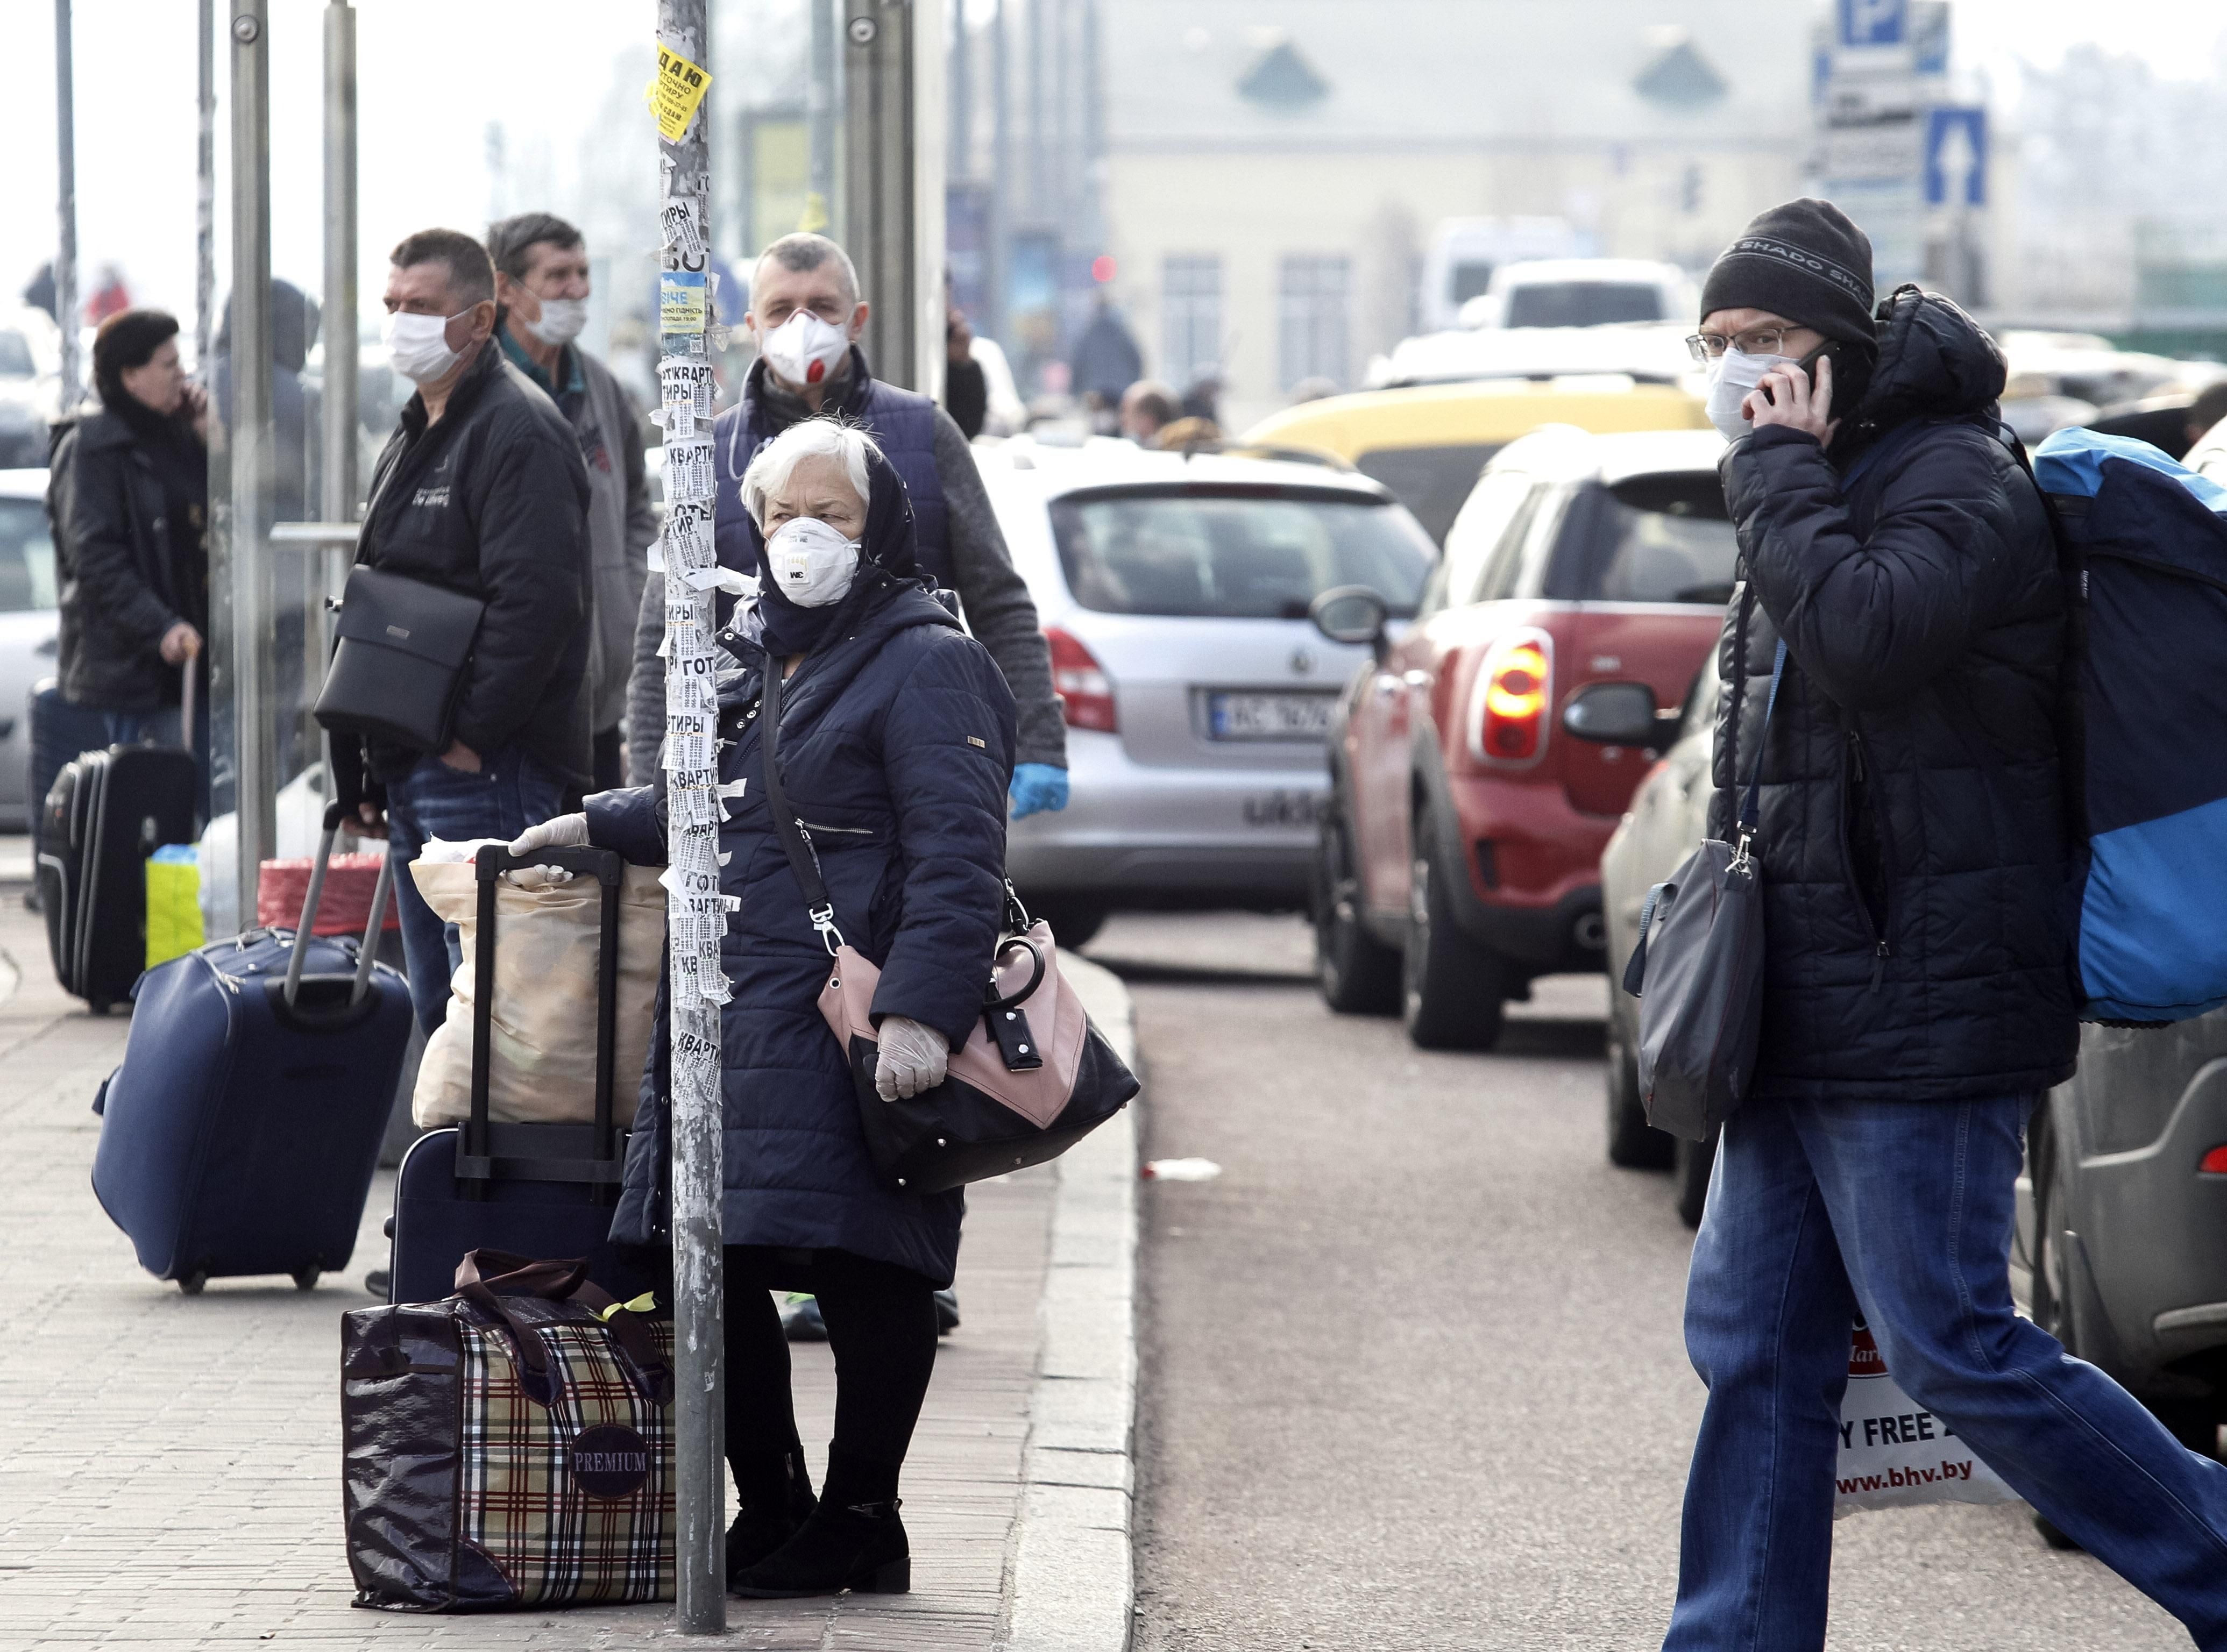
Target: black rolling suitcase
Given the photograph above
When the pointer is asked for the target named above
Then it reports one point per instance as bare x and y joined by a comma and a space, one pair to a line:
540, 1191
106, 813
240, 1135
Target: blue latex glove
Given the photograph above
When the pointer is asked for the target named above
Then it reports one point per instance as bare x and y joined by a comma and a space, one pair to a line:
1038, 788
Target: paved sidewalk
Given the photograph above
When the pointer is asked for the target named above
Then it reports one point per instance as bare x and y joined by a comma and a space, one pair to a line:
171, 1475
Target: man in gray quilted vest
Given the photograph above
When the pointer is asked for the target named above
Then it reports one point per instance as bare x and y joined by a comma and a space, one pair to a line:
542, 284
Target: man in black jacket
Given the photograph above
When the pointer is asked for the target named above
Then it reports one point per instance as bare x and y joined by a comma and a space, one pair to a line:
1914, 847
480, 490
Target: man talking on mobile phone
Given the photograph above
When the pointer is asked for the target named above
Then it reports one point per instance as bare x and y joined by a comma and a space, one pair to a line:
1914, 846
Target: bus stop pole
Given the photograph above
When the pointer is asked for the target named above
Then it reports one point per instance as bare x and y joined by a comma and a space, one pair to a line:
255, 744
342, 455
695, 907
66, 205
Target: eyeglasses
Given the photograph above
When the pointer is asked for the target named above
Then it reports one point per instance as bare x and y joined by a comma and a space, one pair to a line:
1759, 340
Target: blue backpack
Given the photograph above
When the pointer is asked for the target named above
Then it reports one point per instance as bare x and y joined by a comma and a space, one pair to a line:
2145, 539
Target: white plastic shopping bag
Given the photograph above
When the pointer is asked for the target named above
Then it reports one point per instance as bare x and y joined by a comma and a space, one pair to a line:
1893, 1453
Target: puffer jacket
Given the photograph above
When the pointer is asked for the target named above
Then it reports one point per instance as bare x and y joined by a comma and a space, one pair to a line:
896, 747
1913, 831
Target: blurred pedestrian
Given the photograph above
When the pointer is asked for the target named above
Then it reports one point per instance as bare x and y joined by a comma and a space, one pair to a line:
966, 390
1916, 1004
2206, 412
805, 315
111, 296
297, 467
1203, 398
897, 717
480, 490
1147, 407
542, 285
128, 499
1106, 361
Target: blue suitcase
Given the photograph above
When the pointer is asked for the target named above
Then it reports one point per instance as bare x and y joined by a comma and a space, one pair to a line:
241, 1133
538, 1191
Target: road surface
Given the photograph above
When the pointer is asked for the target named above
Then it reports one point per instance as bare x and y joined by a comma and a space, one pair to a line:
1412, 1371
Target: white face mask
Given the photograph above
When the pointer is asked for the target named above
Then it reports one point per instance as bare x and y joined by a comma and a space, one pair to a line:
1731, 376
810, 562
805, 350
561, 320
419, 345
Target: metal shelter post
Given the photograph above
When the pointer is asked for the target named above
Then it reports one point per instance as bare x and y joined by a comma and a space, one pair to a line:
66, 204
696, 910
341, 451
251, 444
205, 200
893, 182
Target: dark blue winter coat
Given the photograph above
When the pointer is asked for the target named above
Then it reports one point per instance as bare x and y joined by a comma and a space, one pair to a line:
896, 747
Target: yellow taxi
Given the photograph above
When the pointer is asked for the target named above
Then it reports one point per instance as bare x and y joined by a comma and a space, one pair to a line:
1427, 442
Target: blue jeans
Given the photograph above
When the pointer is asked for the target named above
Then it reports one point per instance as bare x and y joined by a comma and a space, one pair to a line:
1901, 1210
511, 792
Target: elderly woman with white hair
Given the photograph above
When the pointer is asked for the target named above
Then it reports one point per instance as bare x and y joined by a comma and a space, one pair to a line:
896, 748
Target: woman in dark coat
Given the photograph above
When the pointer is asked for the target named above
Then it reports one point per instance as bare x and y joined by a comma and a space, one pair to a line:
895, 749
128, 501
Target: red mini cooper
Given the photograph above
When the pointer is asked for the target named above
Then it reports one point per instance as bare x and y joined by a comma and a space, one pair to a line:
1478, 766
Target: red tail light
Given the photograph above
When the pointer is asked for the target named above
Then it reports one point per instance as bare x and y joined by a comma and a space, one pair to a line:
1086, 693
1507, 707
2215, 1162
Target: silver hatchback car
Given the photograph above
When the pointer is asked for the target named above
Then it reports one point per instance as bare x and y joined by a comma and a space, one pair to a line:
1174, 588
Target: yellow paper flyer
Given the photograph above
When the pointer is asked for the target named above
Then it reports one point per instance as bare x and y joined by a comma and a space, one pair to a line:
680, 87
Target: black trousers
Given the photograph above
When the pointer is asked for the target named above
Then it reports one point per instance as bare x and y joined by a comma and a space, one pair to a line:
881, 1327
609, 760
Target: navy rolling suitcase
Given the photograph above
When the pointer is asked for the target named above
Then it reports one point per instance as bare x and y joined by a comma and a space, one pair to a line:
241, 1133
59, 730
538, 1191
106, 813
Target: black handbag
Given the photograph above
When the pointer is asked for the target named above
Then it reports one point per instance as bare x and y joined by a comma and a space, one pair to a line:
1035, 1077
1700, 1016
397, 665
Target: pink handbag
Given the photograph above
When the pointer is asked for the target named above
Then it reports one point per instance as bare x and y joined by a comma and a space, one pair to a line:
1032, 1079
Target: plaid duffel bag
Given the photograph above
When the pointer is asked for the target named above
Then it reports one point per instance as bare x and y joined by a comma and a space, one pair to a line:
510, 1446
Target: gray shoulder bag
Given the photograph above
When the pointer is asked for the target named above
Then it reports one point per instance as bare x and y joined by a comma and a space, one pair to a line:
1701, 1015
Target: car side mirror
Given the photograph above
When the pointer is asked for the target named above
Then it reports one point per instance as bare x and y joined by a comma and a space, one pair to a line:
1353, 615
1614, 714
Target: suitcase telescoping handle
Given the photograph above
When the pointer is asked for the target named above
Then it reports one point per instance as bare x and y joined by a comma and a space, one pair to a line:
474, 1164
368, 955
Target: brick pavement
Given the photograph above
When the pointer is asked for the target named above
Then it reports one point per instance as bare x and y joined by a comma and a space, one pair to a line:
169, 1475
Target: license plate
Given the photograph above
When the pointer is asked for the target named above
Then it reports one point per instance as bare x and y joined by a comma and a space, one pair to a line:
1269, 716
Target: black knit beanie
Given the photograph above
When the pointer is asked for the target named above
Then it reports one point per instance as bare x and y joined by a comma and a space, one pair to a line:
1804, 260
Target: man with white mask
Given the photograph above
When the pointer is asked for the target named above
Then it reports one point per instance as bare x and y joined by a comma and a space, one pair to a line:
542, 285
805, 315
481, 490
1890, 713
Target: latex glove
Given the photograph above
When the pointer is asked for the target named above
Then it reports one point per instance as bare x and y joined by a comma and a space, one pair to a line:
1038, 788
565, 832
913, 1059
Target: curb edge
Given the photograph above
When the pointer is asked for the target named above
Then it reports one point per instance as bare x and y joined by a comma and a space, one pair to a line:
1072, 1585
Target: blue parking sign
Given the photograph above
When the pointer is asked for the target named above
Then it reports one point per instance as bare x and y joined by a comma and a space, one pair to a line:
1956, 158
1873, 22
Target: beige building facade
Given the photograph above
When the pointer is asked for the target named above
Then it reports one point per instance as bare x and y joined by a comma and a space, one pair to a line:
1275, 172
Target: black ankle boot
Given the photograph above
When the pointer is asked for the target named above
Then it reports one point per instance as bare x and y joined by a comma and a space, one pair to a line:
853, 1539
775, 1493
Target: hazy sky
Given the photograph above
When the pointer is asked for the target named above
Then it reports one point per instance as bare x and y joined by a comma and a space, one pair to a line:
435, 72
